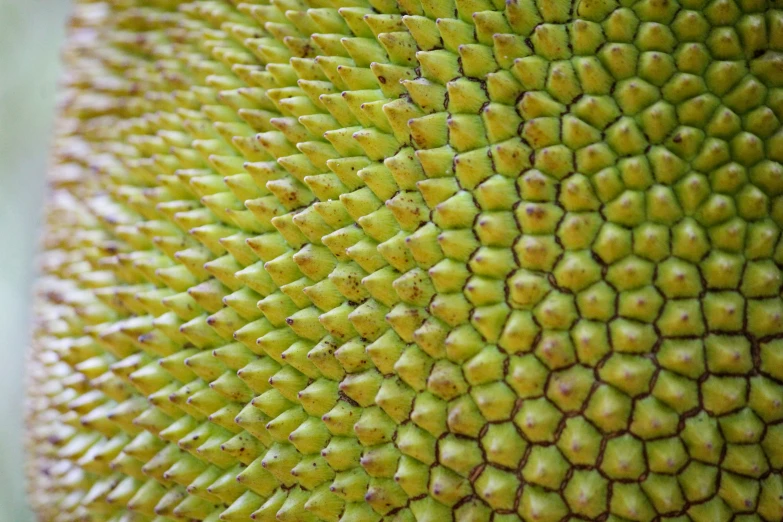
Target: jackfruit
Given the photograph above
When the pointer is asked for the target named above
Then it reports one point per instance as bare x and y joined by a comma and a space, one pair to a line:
413, 260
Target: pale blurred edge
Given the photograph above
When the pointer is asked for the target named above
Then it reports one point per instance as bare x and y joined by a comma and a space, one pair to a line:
31, 33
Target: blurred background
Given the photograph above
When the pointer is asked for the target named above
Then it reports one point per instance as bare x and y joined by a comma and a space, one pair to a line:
31, 32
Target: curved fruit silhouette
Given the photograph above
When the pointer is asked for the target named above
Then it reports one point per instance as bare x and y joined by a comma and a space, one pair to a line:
414, 260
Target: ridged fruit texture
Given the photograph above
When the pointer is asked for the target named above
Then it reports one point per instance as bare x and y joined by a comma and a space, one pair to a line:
415, 260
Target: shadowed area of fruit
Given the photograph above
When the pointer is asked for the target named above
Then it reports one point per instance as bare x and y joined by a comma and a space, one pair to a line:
415, 260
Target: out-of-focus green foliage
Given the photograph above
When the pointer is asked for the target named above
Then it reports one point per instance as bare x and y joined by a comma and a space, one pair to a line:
31, 32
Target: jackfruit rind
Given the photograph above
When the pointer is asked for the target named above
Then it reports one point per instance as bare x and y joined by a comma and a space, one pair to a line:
414, 260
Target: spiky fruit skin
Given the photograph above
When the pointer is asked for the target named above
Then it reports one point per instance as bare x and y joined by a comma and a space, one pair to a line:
420, 261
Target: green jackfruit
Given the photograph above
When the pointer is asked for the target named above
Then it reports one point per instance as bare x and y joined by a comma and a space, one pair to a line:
413, 260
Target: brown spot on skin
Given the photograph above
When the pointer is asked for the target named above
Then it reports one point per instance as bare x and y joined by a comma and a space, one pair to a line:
535, 212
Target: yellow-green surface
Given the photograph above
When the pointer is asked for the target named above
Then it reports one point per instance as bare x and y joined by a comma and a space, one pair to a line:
31, 33
423, 260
